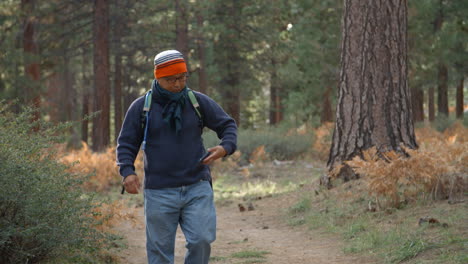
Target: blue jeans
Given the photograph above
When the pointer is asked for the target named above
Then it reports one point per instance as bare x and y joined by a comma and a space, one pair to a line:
190, 206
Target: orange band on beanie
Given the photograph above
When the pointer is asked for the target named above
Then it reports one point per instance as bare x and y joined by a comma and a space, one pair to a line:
171, 69
167, 63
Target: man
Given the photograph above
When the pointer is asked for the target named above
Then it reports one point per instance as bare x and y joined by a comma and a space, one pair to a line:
177, 184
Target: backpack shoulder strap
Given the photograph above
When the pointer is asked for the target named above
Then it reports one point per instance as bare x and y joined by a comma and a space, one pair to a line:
147, 105
194, 102
145, 116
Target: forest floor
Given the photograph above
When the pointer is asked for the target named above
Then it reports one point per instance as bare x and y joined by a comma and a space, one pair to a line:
262, 235
294, 221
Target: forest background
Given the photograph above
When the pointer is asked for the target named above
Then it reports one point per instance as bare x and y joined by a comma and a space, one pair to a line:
272, 65
265, 62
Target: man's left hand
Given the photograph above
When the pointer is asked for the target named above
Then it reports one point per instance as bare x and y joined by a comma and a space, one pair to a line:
216, 153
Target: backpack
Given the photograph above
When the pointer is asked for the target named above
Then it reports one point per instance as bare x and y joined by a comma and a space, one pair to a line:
147, 106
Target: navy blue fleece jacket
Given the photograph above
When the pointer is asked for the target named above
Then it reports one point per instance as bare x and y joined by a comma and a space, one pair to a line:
171, 160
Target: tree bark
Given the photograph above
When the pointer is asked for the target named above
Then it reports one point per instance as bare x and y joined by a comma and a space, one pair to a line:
86, 102
276, 106
327, 112
431, 104
118, 110
374, 104
417, 98
233, 103
442, 90
54, 99
118, 97
460, 104
31, 51
101, 124
229, 59
84, 113
202, 77
182, 29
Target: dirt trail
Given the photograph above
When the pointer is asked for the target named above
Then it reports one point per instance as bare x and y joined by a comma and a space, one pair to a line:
263, 229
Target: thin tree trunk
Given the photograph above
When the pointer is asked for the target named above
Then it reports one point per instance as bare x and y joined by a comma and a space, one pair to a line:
127, 96
118, 28
417, 98
68, 94
431, 104
86, 102
202, 78
459, 107
327, 112
70, 101
31, 51
229, 59
53, 100
276, 107
272, 103
442, 90
118, 96
85, 122
442, 76
101, 124
182, 29
233, 102
374, 104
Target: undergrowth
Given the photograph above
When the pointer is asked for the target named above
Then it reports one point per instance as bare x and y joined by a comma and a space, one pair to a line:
437, 170
402, 210
390, 235
44, 213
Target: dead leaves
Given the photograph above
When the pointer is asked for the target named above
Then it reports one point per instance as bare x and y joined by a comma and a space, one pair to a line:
439, 169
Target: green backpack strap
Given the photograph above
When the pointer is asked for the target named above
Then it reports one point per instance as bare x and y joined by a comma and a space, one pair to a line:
194, 102
145, 117
147, 105
146, 112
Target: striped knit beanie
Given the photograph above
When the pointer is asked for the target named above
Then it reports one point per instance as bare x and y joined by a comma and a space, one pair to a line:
169, 62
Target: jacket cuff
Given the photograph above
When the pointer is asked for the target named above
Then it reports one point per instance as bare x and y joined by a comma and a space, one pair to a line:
126, 170
227, 147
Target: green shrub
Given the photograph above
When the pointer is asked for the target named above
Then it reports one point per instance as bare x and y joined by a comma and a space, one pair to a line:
43, 212
278, 144
442, 122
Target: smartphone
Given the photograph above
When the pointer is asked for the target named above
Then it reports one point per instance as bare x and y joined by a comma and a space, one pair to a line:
204, 157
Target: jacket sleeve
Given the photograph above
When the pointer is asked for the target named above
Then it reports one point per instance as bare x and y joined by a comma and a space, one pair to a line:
130, 138
216, 119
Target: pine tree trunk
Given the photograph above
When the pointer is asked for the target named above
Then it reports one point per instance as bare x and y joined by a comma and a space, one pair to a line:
101, 124
118, 97
229, 59
374, 104
233, 104
459, 107
70, 102
54, 99
86, 102
202, 78
182, 29
417, 98
120, 20
327, 112
431, 104
31, 51
84, 113
442, 90
273, 106
276, 107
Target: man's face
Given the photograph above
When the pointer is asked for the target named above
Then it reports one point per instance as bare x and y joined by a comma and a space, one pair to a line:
173, 83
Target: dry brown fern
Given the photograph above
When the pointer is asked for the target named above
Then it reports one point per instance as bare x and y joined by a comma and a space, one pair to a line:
438, 169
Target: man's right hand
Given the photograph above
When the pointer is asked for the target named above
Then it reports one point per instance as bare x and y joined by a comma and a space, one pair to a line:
132, 184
